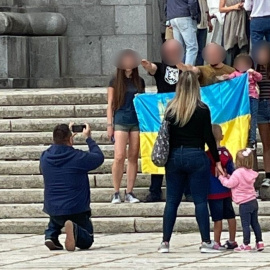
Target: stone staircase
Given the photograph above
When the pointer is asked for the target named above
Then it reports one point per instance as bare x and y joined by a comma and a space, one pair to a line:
27, 118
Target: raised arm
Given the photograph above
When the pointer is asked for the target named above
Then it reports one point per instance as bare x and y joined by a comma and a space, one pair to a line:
184, 67
151, 68
92, 159
224, 9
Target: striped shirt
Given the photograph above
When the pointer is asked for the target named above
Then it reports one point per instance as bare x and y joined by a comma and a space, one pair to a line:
264, 85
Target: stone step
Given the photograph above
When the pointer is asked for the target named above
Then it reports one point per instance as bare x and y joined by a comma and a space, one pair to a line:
111, 210
28, 97
32, 167
48, 124
34, 152
115, 225
45, 138
96, 181
37, 195
53, 111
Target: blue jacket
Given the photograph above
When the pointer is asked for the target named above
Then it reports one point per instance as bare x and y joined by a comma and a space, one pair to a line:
65, 172
183, 8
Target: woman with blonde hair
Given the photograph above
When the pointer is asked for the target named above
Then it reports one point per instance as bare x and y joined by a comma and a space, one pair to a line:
190, 128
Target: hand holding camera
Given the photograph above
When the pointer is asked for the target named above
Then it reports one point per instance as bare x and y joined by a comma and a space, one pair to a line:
84, 129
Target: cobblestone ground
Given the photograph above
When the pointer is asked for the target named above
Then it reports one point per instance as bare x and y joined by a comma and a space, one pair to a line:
126, 251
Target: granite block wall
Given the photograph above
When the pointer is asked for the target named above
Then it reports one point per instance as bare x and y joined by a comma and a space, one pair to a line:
96, 30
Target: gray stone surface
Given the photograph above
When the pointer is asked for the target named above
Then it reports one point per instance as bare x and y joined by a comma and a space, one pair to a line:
84, 56
88, 20
53, 97
14, 57
45, 60
96, 30
131, 20
132, 251
33, 23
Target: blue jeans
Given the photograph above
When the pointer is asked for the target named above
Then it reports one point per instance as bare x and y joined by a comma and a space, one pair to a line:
83, 228
260, 29
187, 164
254, 105
264, 111
249, 217
201, 39
185, 31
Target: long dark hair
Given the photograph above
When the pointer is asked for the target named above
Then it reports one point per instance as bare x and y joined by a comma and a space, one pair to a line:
261, 68
120, 86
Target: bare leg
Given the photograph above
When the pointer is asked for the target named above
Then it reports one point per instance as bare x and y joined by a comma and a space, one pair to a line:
133, 155
217, 230
232, 229
120, 145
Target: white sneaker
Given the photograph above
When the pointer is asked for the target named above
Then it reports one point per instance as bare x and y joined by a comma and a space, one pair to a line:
116, 198
131, 198
209, 248
164, 247
266, 182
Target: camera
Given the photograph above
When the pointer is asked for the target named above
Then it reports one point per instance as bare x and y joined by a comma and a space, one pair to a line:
78, 128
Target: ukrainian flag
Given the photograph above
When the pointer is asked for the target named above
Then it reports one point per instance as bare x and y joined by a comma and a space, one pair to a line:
229, 105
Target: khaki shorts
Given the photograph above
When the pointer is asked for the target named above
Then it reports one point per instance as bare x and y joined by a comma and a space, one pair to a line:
126, 128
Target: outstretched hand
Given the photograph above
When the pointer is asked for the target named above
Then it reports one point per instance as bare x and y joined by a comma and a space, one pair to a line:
146, 64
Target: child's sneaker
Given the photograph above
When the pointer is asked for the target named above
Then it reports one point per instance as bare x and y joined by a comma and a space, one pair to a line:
259, 246
209, 247
230, 245
164, 247
243, 248
131, 198
218, 246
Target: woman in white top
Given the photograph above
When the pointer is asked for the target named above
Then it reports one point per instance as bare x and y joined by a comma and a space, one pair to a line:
260, 19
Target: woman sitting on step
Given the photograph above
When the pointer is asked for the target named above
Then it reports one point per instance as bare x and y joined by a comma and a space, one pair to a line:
122, 122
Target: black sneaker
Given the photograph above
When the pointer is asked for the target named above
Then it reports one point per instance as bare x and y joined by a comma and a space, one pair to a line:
151, 198
229, 245
53, 244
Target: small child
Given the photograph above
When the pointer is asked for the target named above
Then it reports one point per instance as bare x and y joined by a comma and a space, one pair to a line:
244, 63
241, 183
220, 197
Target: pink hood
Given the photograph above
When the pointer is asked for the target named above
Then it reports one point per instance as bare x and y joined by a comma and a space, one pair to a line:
241, 183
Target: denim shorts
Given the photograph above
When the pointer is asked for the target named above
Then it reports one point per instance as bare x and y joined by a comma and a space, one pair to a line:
264, 111
221, 209
126, 128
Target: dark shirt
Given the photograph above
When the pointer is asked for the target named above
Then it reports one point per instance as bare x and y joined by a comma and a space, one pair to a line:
126, 114
196, 133
264, 85
65, 172
182, 8
166, 77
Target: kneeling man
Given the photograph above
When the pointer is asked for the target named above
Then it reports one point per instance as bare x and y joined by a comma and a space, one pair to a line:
66, 189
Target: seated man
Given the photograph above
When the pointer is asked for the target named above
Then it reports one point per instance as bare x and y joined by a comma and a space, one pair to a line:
66, 188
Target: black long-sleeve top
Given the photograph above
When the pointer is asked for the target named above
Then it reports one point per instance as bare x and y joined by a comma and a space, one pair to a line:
196, 133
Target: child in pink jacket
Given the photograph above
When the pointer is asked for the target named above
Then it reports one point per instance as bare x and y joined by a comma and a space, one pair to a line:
241, 183
243, 63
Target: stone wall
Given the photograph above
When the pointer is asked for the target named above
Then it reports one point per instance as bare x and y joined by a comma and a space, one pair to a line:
97, 29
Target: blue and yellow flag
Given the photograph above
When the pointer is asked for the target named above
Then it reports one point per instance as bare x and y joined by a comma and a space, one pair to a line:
229, 105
